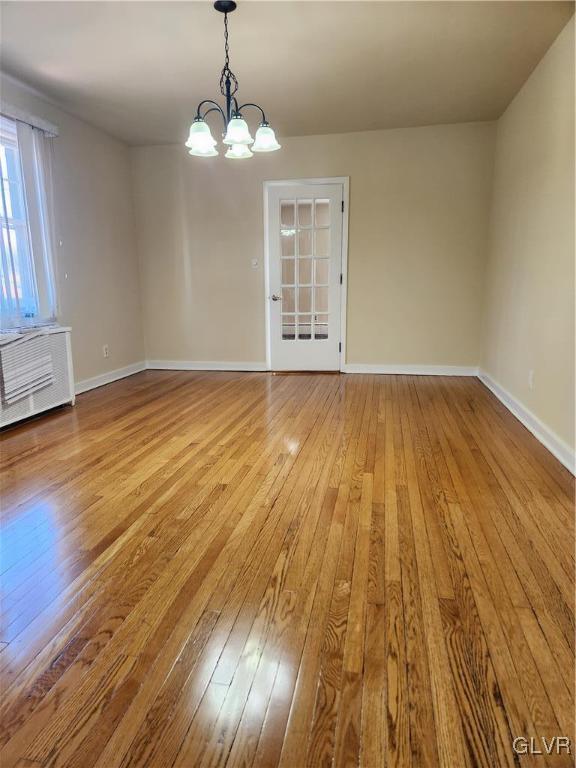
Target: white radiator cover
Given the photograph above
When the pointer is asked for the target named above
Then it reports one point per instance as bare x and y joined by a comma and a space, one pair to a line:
59, 392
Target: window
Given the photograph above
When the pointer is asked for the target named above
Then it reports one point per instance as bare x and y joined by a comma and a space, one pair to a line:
26, 274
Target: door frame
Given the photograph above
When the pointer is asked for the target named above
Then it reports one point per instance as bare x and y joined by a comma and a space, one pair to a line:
345, 182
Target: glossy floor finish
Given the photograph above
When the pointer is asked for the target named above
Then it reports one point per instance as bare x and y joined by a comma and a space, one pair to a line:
209, 569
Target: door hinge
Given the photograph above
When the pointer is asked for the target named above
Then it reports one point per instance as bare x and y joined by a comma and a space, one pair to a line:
340, 278
342, 206
339, 346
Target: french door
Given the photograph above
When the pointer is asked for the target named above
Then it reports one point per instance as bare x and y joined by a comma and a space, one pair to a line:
304, 231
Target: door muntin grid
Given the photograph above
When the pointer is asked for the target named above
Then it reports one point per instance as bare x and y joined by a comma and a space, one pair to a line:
305, 268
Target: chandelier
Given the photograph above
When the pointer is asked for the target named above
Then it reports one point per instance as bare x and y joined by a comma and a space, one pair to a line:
236, 134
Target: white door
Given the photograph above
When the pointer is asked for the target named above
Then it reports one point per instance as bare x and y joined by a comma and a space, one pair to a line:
304, 231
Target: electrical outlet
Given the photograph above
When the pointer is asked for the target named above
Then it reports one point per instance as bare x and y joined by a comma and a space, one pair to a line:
531, 378
105, 350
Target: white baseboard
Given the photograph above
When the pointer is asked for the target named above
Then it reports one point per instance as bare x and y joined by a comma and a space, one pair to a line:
413, 370
541, 432
201, 365
109, 377
170, 365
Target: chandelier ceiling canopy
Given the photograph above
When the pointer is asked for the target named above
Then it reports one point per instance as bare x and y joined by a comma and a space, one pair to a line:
236, 133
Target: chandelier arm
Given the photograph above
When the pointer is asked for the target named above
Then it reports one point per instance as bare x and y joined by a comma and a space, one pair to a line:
208, 101
214, 108
256, 106
218, 109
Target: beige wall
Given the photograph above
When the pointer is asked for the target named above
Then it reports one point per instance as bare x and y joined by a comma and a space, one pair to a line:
419, 207
529, 309
97, 267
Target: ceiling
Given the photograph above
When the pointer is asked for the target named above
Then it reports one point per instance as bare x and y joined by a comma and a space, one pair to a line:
138, 69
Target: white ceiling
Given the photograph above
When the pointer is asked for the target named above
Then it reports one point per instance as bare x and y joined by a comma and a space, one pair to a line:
138, 69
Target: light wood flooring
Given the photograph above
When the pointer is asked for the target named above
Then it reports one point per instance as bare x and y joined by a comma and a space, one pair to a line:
210, 569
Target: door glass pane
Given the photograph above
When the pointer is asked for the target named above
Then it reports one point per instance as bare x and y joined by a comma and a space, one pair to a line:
304, 326
305, 242
322, 271
287, 243
304, 299
305, 271
304, 213
322, 244
321, 299
288, 300
287, 213
322, 218
288, 271
321, 326
288, 327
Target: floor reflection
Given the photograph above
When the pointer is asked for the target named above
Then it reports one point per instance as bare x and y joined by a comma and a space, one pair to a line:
31, 565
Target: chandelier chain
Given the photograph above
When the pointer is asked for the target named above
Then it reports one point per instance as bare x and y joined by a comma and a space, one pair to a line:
227, 73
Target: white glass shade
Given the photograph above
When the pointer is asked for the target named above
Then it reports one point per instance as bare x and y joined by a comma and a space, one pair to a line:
237, 132
209, 152
265, 140
200, 140
238, 152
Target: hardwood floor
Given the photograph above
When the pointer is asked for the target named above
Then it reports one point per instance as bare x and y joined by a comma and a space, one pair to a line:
209, 569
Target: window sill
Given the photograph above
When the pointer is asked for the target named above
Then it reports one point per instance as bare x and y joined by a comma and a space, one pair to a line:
9, 335
30, 327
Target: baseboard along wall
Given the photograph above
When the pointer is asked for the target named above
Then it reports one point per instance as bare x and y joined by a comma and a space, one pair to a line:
411, 370
203, 365
107, 378
549, 439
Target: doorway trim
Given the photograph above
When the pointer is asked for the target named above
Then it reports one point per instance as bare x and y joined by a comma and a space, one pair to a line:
345, 182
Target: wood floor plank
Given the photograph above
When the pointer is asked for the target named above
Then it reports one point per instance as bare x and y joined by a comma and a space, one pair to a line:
448, 725
238, 569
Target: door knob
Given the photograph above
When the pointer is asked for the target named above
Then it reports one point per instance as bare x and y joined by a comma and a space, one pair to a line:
275, 298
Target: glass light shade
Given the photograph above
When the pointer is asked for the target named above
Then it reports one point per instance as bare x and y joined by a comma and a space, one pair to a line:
237, 132
200, 140
208, 152
238, 152
265, 140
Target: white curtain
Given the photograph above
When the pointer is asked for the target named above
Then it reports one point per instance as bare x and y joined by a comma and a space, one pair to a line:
36, 152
